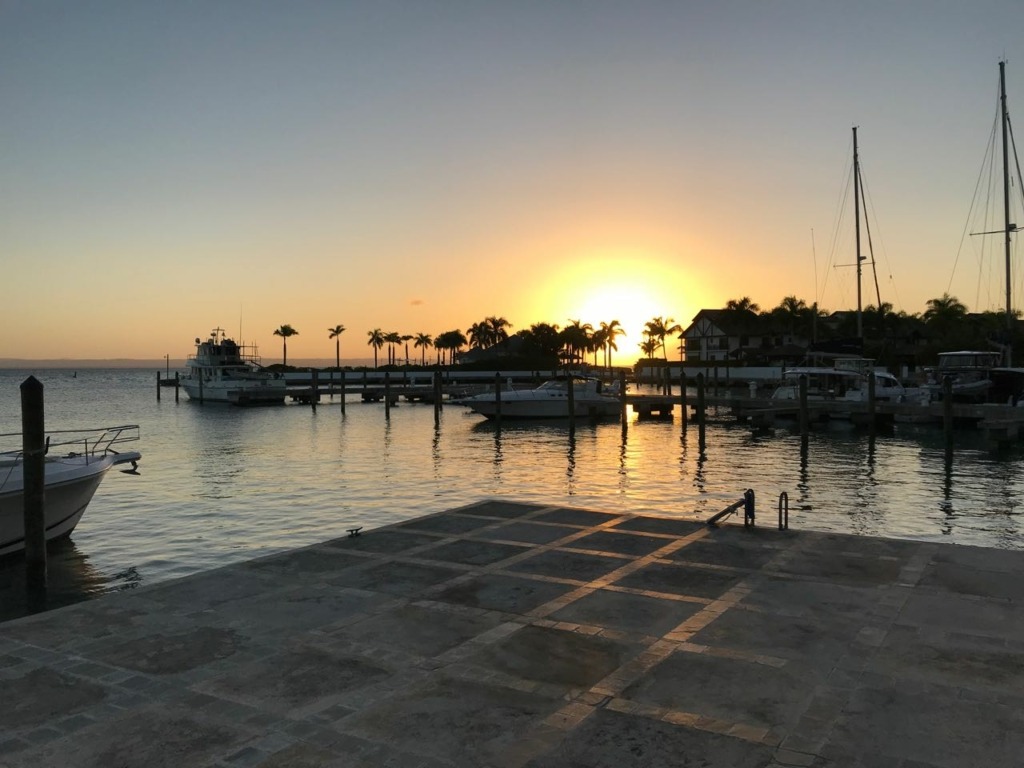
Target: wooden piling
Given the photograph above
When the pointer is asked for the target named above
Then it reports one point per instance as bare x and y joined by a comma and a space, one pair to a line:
497, 397
804, 416
438, 392
622, 397
871, 404
947, 409
682, 397
33, 443
572, 405
158, 386
177, 385
387, 395
701, 437
200, 377
342, 386
314, 389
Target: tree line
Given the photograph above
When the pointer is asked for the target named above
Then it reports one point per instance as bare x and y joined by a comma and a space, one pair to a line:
945, 324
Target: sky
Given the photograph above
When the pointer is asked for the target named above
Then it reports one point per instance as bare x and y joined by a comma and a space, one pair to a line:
168, 168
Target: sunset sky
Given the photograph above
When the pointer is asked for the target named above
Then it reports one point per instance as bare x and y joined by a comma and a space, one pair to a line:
166, 168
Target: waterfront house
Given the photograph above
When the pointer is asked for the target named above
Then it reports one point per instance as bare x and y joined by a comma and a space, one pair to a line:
720, 335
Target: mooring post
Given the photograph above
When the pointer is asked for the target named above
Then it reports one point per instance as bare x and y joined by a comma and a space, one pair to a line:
387, 395
572, 405
200, 374
437, 397
804, 417
947, 409
342, 385
497, 396
871, 402
158, 386
33, 446
177, 385
314, 389
622, 396
682, 396
700, 412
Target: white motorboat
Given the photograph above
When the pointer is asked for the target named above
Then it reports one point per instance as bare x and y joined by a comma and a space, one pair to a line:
970, 374
223, 371
70, 480
590, 399
842, 382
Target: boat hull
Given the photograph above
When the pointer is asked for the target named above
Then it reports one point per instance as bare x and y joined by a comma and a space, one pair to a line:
236, 393
70, 485
545, 409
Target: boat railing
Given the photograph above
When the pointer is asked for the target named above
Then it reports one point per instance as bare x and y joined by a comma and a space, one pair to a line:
90, 443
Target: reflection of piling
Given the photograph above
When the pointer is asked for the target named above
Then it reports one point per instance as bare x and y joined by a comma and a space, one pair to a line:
804, 416
33, 441
387, 394
177, 384
700, 412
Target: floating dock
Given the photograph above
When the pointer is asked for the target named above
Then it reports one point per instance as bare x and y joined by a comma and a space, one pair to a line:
512, 635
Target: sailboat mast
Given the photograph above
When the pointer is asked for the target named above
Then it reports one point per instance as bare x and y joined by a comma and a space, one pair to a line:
856, 219
1006, 194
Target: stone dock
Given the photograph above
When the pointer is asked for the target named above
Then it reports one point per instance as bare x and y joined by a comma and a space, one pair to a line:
506, 635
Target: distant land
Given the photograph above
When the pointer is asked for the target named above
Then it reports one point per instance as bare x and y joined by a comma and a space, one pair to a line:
14, 363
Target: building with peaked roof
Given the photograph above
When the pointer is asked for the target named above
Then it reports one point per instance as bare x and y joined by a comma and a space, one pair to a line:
741, 335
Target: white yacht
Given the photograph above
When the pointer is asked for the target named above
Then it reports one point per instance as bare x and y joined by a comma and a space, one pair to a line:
226, 372
590, 398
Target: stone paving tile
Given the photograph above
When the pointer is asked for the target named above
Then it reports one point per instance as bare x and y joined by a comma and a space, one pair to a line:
468, 552
843, 568
580, 517
633, 613
554, 656
319, 560
529, 532
568, 565
942, 730
680, 580
620, 740
466, 723
728, 689
953, 612
721, 551
396, 578
41, 695
619, 543
498, 592
952, 577
500, 508
436, 631
173, 652
446, 523
663, 525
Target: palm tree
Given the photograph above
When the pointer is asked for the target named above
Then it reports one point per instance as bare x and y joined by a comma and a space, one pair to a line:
576, 338
479, 335
406, 338
392, 338
335, 333
284, 332
944, 310
423, 341
648, 346
611, 330
452, 341
659, 328
498, 327
743, 304
376, 341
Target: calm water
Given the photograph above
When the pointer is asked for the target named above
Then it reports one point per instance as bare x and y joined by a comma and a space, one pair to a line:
221, 484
